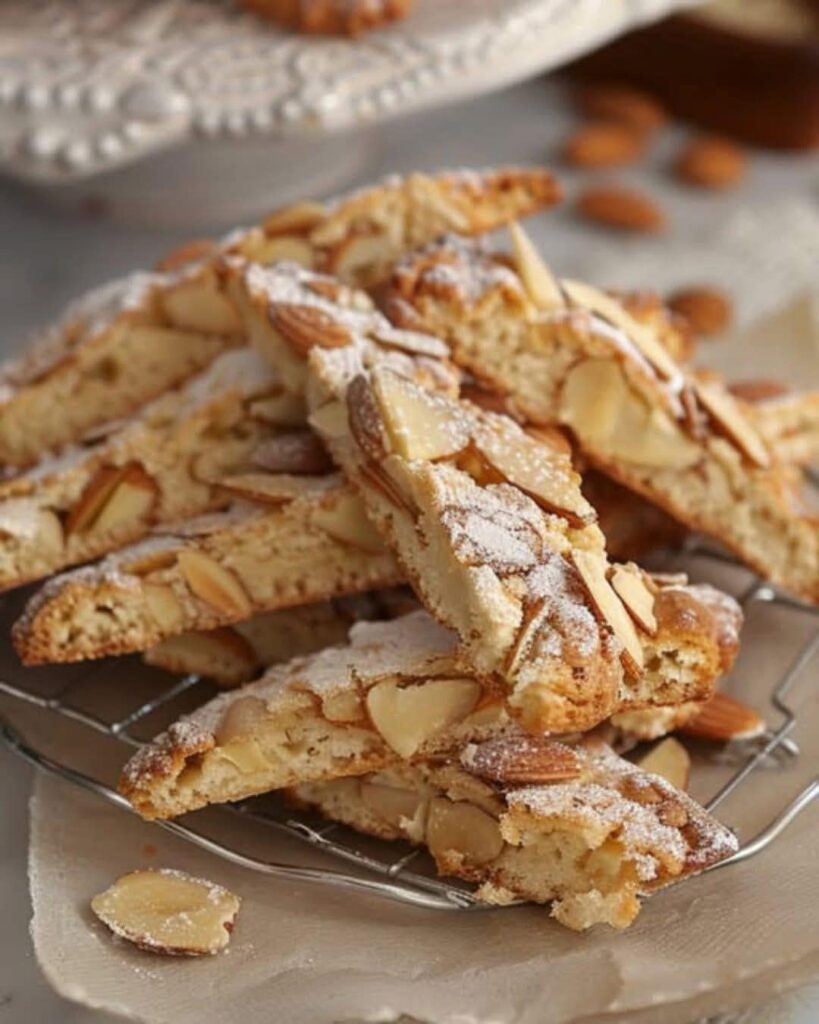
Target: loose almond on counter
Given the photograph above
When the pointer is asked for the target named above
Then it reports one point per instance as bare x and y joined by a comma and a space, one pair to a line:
711, 162
603, 144
621, 208
706, 310
168, 912
724, 718
621, 104
521, 760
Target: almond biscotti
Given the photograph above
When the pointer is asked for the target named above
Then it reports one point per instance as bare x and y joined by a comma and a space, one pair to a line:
398, 690
532, 819
126, 343
306, 540
568, 354
163, 465
331, 17
487, 521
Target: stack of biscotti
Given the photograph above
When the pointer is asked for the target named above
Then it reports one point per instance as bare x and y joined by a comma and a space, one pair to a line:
323, 456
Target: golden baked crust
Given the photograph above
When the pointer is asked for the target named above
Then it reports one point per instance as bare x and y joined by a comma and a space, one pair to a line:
331, 17
312, 543
590, 844
571, 356
487, 521
126, 343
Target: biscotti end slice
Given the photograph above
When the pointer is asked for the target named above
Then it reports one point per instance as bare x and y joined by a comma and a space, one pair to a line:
162, 465
576, 827
124, 344
488, 521
312, 542
569, 355
395, 691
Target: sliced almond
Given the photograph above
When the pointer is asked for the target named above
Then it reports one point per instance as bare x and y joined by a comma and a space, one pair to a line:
420, 424
299, 452
407, 716
462, 831
670, 760
94, 498
724, 718
631, 588
346, 521
725, 410
214, 584
284, 248
404, 809
131, 501
362, 251
303, 327
243, 717
222, 655
522, 760
182, 255
609, 607
272, 488
283, 410
151, 561
414, 342
49, 530
168, 912
545, 476
164, 606
344, 707
540, 283
362, 417
198, 305
330, 421
297, 218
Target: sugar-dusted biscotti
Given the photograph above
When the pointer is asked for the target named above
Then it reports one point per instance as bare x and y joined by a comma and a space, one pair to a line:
397, 690
532, 819
304, 539
162, 465
124, 344
569, 355
331, 17
487, 521
231, 655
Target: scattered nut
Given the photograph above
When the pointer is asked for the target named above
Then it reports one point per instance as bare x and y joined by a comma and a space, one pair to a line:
408, 715
603, 144
711, 162
189, 252
759, 389
621, 208
724, 718
463, 831
670, 760
609, 607
706, 310
630, 586
622, 104
214, 584
168, 912
521, 760
540, 283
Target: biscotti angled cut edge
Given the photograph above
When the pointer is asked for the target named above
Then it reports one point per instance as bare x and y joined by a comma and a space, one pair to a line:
487, 521
511, 816
312, 544
125, 343
161, 466
568, 355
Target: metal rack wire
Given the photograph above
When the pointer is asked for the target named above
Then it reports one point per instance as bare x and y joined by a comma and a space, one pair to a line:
408, 875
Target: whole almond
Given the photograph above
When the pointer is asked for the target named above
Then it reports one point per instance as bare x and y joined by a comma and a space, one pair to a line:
621, 208
622, 104
759, 389
522, 760
306, 326
706, 310
711, 162
603, 144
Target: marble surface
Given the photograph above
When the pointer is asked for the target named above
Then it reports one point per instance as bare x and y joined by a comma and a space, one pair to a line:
45, 260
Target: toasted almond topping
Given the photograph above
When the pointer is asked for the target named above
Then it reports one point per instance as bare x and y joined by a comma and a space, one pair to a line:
724, 718
346, 520
420, 424
407, 716
462, 830
283, 248
131, 501
92, 500
631, 587
521, 760
540, 283
213, 583
241, 719
723, 409
299, 452
365, 420
164, 606
358, 252
189, 252
609, 607
302, 327
670, 760
168, 912
282, 410
297, 218
272, 488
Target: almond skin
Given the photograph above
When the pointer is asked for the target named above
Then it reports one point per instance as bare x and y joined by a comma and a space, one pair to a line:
621, 104
621, 208
711, 162
707, 311
522, 761
724, 718
761, 389
189, 252
603, 144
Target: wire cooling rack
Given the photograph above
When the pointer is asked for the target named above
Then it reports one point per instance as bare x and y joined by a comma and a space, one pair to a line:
66, 694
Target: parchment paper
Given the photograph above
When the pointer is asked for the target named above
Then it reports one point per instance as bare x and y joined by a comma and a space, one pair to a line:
310, 955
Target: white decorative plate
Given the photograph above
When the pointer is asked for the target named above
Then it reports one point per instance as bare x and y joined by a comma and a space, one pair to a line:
87, 86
